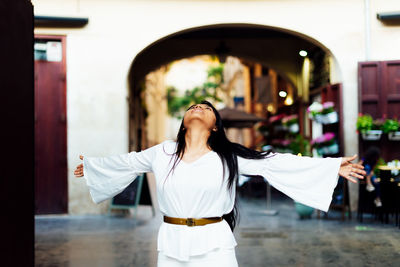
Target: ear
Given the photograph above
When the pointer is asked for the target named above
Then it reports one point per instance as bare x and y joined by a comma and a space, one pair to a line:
215, 129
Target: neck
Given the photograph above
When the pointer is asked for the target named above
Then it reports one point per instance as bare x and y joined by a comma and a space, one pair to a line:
196, 139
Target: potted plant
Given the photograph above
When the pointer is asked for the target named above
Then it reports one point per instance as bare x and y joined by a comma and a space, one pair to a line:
329, 115
291, 123
369, 129
303, 211
300, 145
282, 145
314, 111
391, 127
276, 121
326, 144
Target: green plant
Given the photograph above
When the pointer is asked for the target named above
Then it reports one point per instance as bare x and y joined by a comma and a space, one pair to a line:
364, 123
327, 139
328, 107
300, 145
291, 119
207, 91
315, 109
390, 126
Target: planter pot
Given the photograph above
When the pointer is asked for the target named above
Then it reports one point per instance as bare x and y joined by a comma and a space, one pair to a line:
330, 118
372, 135
294, 128
394, 136
319, 118
329, 150
304, 211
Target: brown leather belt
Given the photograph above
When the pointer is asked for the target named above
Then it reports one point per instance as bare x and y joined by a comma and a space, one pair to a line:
192, 221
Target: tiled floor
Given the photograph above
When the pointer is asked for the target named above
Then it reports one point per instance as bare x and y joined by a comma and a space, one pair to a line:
281, 240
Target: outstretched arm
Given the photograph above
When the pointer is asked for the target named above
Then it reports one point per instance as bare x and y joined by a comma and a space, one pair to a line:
108, 176
310, 181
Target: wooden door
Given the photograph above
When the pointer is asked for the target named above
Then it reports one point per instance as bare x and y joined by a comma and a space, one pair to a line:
379, 96
370, 88
391, 80
51, 188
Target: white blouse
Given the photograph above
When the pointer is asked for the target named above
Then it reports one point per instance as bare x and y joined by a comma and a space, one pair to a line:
198, 189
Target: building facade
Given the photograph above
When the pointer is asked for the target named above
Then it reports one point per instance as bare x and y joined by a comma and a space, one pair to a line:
100, 56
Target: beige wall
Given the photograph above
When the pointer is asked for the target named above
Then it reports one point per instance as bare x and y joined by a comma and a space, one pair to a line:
99, 56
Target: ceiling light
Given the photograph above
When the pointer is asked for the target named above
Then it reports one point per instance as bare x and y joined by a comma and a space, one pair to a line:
303, 53
282, 94
288, 101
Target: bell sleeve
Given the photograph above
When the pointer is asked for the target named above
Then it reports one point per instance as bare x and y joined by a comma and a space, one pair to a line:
307, 180
109, 176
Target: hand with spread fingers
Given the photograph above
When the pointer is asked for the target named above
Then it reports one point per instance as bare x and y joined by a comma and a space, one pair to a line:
79, 169
350, 171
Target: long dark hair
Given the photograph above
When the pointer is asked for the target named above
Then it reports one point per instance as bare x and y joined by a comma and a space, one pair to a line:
226, 150
371, 156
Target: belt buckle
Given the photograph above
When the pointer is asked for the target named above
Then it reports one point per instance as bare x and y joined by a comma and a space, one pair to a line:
190, 222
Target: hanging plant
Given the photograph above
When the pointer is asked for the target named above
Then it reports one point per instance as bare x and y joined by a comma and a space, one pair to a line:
328, 107
291, 119
276, 119
323, 113
276, 122
369, 128
326, 144
364, 123
291, 123
314, 110
329, 115
391, 127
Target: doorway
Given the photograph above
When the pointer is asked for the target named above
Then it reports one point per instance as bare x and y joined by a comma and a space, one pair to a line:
51, 188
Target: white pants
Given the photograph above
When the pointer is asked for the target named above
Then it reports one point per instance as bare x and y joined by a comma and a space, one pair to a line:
224, 257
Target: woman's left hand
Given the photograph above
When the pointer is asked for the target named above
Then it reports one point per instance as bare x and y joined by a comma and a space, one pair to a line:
351, 170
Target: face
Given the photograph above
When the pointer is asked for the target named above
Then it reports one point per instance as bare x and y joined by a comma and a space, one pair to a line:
200, 112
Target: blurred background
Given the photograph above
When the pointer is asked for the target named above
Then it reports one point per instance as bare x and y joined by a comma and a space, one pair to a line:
319, 78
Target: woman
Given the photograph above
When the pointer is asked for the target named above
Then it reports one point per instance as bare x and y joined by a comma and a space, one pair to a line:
196, 179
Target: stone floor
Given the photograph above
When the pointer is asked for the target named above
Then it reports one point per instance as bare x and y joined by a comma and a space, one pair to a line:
281, 240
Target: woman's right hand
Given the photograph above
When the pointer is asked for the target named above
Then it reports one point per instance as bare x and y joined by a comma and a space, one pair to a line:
79, 169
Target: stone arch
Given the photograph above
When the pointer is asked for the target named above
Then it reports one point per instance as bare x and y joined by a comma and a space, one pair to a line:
241, 38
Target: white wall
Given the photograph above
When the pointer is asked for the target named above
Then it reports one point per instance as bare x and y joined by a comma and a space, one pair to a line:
99, 56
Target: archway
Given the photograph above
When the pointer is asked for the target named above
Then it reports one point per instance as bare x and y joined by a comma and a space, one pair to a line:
274, 47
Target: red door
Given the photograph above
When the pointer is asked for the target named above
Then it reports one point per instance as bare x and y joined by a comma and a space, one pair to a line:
391, 78
51, 188
379, 96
